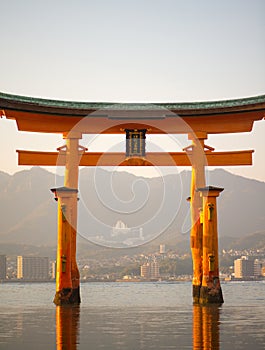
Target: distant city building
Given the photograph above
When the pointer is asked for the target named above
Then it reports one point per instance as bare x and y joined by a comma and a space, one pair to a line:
120, 228
150, 270
257, 268
126, 235
243, 267
32, 268
263, 271
145, 270
2, 267
162, 249
154, 267
53, 274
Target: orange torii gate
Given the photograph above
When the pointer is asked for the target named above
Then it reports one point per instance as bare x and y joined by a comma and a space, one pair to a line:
197, 119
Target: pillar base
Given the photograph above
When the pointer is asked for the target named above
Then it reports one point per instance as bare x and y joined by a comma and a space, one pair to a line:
76, 295
67, 296
211, 295
196, 289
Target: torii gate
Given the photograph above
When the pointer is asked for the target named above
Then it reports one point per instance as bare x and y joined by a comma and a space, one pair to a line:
197, 119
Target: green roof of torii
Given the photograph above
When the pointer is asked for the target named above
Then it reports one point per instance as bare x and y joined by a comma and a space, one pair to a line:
17, 102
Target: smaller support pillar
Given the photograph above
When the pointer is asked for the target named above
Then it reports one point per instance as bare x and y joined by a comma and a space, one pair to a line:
64, 287
211, 292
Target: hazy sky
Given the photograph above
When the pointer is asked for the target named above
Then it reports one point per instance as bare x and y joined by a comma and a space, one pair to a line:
141, 50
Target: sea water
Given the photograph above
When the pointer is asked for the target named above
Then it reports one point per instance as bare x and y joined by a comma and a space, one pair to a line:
132, 316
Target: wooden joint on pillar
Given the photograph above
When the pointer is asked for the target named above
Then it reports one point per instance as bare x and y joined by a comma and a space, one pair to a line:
198, 135
63, 148
72, 135
190, 148
209, 148
82, 148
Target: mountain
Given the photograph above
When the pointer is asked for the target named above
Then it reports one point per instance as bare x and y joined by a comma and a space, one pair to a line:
28, 214
241, 204
155, 209
255, 241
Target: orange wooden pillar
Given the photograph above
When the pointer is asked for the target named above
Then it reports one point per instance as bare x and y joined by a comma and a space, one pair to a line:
211, 291
72, 160
64, 286
197, 157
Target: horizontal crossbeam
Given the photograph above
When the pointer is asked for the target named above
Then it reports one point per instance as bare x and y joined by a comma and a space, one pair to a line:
233, 158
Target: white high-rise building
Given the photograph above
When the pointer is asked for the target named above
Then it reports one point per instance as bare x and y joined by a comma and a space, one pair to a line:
257, 268
32, 268
150, 270
53, 272
162, 249
243, 267
154, 270
145, 270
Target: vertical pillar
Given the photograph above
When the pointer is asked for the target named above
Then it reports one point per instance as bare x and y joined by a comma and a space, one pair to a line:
64, 286
211, 292
197, 180
71, 180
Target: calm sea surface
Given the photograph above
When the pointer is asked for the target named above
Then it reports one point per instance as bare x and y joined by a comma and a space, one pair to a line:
132, 316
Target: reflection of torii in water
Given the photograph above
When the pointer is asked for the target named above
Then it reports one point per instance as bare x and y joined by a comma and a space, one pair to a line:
72, 119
